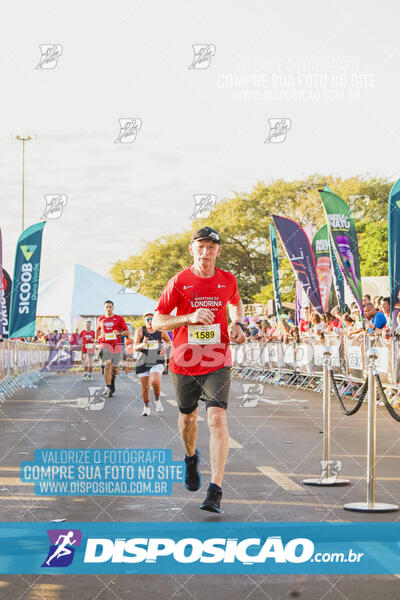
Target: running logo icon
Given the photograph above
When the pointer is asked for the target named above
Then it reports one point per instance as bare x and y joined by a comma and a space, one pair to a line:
55, 204
203, 54
358, 204
132, 281
278, 129
50, 53
203, 205
63, 543
128, 129
330, 470
96, 399
251, 394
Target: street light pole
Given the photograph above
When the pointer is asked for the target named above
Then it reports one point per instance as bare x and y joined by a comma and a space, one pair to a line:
23, 140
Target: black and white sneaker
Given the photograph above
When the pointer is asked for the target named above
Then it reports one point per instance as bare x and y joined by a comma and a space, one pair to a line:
212, 503
192, 473
109, 392
113, 385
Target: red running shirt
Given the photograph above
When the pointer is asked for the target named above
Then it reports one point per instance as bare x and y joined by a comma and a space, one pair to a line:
108, 325
87, 337
200, 349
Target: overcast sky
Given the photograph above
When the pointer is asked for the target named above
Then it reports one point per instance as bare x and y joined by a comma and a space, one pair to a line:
330, 67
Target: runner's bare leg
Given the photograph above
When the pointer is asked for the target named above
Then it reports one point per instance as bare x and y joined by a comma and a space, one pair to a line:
155, 379
145, 383
107, 371
188, 429
219, 442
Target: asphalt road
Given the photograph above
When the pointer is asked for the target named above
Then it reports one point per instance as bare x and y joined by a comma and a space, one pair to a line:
273, 447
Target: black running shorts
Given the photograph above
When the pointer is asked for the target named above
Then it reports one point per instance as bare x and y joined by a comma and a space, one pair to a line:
107, 354
212, 388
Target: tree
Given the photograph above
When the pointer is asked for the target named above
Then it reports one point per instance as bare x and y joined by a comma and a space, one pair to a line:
243, 223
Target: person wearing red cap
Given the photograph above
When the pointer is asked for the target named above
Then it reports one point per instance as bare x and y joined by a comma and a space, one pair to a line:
200, 358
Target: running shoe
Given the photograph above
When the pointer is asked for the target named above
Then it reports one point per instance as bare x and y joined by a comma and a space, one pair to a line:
109, 392
113, 386
146, 411
159, 406
192, 473
84, 377
90, 377
212, 502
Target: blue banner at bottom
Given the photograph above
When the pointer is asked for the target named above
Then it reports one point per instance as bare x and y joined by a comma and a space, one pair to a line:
201, 548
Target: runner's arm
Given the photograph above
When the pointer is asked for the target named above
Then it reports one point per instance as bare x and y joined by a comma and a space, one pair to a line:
125, 332
139, 343
166, 338
236, 312
204, 316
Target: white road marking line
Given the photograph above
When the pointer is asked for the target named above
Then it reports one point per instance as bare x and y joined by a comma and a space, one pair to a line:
280, 478
233, 443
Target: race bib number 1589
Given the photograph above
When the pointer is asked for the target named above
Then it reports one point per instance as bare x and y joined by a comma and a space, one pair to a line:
204, 334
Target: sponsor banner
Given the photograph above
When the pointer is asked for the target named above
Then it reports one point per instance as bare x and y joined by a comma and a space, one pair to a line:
300, 254
322, 256
25, 286
200, 548
338, 277
275, 269
5, 303
393, 242
342, 231
102, 472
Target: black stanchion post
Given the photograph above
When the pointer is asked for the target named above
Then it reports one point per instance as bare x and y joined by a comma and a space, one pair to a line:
370, 505
327, 478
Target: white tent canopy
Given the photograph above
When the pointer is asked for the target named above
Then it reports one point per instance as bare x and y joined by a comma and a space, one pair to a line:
79, 291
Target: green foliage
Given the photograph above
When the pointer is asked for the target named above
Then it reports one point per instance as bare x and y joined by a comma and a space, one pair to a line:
373, 245
243, 223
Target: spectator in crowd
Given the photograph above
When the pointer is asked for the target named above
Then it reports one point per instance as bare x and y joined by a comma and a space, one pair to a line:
253, 328
349, 325
377, 302
317, 326
375, 320
304, 323
395, 314
385, 308
283, 329
74, 338
338, 316
356, 316
294, 335
366, 298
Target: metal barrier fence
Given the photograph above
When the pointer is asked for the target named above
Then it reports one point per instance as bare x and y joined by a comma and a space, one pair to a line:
21, 365
301, 363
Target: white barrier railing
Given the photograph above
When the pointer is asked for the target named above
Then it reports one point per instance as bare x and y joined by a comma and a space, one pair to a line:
20, 365
266, 360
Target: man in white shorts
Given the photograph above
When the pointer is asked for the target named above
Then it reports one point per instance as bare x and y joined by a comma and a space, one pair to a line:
150, 363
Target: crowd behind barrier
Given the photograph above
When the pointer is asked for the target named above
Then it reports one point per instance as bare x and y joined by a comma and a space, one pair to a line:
300, 363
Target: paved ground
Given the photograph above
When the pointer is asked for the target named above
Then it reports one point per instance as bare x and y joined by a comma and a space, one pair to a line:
273, 447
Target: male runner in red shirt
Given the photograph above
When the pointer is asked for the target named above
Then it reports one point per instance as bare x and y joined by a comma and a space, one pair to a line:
110, 327
87, 338
201, 359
